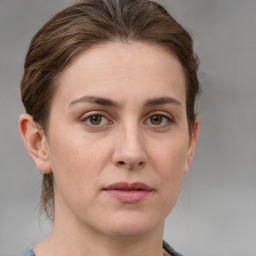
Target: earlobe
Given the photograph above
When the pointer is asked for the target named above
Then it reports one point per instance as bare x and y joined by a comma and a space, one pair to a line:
36, 142
192, 144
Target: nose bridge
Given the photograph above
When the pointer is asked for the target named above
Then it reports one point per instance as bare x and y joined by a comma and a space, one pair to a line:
130, 148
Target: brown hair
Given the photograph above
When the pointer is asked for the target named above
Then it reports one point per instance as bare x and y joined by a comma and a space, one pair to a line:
85, 24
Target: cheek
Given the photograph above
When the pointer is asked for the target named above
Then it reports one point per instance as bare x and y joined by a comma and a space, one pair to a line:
75, 162
170, 161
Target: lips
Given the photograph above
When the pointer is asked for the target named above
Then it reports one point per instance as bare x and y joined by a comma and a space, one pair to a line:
129, 192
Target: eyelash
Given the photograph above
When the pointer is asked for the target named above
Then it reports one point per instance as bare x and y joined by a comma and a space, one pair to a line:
87, 120
89, 117
166, 118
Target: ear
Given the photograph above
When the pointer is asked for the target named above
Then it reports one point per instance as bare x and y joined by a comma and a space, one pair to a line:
192, 144
36, 142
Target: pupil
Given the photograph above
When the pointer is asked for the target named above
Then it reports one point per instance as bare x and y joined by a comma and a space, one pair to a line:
95, 120
156, 119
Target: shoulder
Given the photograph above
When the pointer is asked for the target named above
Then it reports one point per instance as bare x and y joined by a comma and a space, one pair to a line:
28, 253
170, 250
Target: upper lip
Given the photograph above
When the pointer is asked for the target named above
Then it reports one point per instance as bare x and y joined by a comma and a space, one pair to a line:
128, 186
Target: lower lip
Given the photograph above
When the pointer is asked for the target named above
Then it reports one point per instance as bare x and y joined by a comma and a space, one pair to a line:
129, 196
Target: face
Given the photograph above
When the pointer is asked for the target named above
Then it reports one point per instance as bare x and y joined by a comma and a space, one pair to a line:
118, 142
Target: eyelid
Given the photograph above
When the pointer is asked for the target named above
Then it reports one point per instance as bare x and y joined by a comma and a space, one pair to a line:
96, 112
103, 114
160, 113
163, 114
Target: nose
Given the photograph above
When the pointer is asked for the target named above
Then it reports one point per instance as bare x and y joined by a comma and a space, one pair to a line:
130, 150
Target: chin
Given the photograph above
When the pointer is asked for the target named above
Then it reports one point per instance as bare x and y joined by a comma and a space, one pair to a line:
132, 225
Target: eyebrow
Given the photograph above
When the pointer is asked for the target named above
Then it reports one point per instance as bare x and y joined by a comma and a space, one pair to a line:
161, 101
96, 100
111, 103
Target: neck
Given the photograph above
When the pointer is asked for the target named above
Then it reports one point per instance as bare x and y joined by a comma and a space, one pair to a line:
80, 242
71, 236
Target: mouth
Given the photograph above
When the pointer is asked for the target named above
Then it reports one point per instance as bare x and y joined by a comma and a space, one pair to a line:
129, 192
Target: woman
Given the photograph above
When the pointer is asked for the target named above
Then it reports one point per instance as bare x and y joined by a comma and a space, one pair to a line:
109, 88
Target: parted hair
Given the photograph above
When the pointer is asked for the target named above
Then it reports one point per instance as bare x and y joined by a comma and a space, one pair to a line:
87, 23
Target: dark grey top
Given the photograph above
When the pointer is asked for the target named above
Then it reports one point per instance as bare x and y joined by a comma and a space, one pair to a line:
170, 250
166, 246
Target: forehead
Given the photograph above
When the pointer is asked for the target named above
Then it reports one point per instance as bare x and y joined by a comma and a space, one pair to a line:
140, 67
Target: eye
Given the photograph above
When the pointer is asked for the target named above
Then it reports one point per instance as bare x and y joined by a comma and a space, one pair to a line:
95, 120
158, 120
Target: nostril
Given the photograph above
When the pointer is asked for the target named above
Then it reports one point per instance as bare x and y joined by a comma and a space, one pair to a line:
130, 165
121, 163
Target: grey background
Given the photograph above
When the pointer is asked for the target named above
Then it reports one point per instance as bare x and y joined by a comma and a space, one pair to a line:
216, 212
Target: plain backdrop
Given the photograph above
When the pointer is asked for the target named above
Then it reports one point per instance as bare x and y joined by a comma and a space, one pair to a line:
216, 211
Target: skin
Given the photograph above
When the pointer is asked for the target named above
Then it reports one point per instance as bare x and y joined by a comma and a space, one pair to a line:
139, 134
